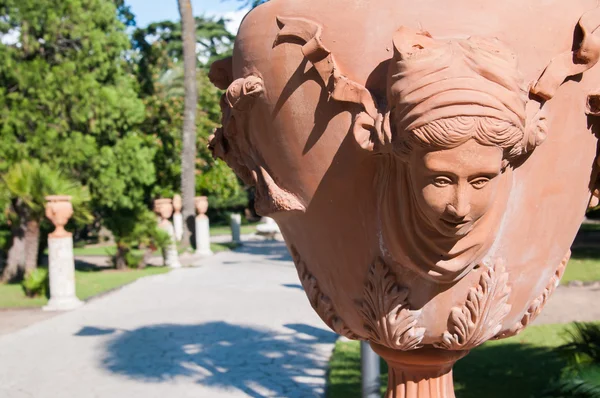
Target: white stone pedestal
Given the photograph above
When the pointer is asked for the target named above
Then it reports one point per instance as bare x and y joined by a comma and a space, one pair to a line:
236, 225
178, 225
203, 236
170, 252
267, 227
61, 269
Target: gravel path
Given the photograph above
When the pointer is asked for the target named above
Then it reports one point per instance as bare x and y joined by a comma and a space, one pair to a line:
239, 326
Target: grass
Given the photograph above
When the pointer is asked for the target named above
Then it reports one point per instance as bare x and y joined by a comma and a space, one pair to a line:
584, 266
222, 247
87, 284
226, 229
518, 367
215, 247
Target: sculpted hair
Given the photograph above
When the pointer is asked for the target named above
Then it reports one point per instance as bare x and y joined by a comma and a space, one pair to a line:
451, 132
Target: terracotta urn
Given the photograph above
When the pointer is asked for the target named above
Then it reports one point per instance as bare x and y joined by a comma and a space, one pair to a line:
177, 203
428, 165
201, 203
163, 208
58, 210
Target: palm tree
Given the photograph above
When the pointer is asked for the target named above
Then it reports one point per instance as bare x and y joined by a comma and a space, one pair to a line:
188, 156
28, 183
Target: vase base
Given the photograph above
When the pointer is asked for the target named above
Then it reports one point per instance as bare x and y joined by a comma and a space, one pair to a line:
422, 373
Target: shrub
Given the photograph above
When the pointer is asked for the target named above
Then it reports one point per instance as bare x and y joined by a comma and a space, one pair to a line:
36, 282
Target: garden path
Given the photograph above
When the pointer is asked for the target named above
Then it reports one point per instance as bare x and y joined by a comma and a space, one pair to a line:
239, 326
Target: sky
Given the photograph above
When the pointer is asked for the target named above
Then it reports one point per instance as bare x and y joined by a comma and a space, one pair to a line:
147, 11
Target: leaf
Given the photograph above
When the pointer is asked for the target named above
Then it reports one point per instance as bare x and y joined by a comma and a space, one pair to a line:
385, 310
480, 318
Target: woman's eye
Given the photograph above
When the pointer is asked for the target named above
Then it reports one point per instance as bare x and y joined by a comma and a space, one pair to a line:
479, 182
441, 181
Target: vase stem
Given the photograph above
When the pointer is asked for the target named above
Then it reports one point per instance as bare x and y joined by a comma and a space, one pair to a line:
422, 373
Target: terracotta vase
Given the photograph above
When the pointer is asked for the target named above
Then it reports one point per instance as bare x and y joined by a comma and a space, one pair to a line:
428, 166
163, 208
58, 210
201, 203
177, 203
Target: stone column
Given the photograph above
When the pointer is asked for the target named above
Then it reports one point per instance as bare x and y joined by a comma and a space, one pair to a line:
164, 209
236, 225
60, 252
202, 227
178, 217
268, 228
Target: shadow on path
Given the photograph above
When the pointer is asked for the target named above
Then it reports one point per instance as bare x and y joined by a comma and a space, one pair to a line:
259, 362
271, 250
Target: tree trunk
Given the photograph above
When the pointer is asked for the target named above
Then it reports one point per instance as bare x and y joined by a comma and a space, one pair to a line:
120, 260
188, 156
32, 245
15, 261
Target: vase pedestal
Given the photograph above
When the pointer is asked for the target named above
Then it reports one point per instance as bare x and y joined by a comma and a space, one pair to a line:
203, 236
61, 270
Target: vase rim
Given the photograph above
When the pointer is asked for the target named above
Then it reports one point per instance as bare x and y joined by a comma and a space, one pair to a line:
163, 200
58, 198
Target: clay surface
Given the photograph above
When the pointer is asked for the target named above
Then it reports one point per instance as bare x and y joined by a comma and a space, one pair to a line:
58, 210
429, 175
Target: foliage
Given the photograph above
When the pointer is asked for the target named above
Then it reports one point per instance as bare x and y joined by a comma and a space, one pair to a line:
581, 379
36, 283
160, 74
64, 93
136, 229
68, 99
519, 367
159, 46
31, 181
221, 186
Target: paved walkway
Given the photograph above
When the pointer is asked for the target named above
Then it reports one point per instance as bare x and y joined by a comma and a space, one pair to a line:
239, 326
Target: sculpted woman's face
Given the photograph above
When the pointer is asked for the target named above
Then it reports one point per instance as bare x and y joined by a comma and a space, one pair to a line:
455, 187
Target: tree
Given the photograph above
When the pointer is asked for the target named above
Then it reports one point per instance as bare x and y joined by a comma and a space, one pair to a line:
28, 183
159, 48
188, 155
68, 99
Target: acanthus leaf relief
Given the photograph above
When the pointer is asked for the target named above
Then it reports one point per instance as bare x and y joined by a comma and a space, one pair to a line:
389, 321
480, 318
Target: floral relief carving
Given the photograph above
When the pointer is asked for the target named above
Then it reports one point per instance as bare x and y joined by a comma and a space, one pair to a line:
536, 306
386, 312
321, 303
480, 318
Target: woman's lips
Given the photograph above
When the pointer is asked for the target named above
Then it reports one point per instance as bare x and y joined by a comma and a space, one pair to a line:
455, 224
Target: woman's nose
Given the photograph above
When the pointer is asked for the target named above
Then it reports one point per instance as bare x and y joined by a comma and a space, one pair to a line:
461, 205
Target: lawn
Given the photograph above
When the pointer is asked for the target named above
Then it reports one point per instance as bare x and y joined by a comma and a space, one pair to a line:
226, 229
518, 367
584, 266
222, 247
215, 247
87, 284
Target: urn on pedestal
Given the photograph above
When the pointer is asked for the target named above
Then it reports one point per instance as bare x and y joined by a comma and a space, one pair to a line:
202, 227
178, 217
163, 207
61, 264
